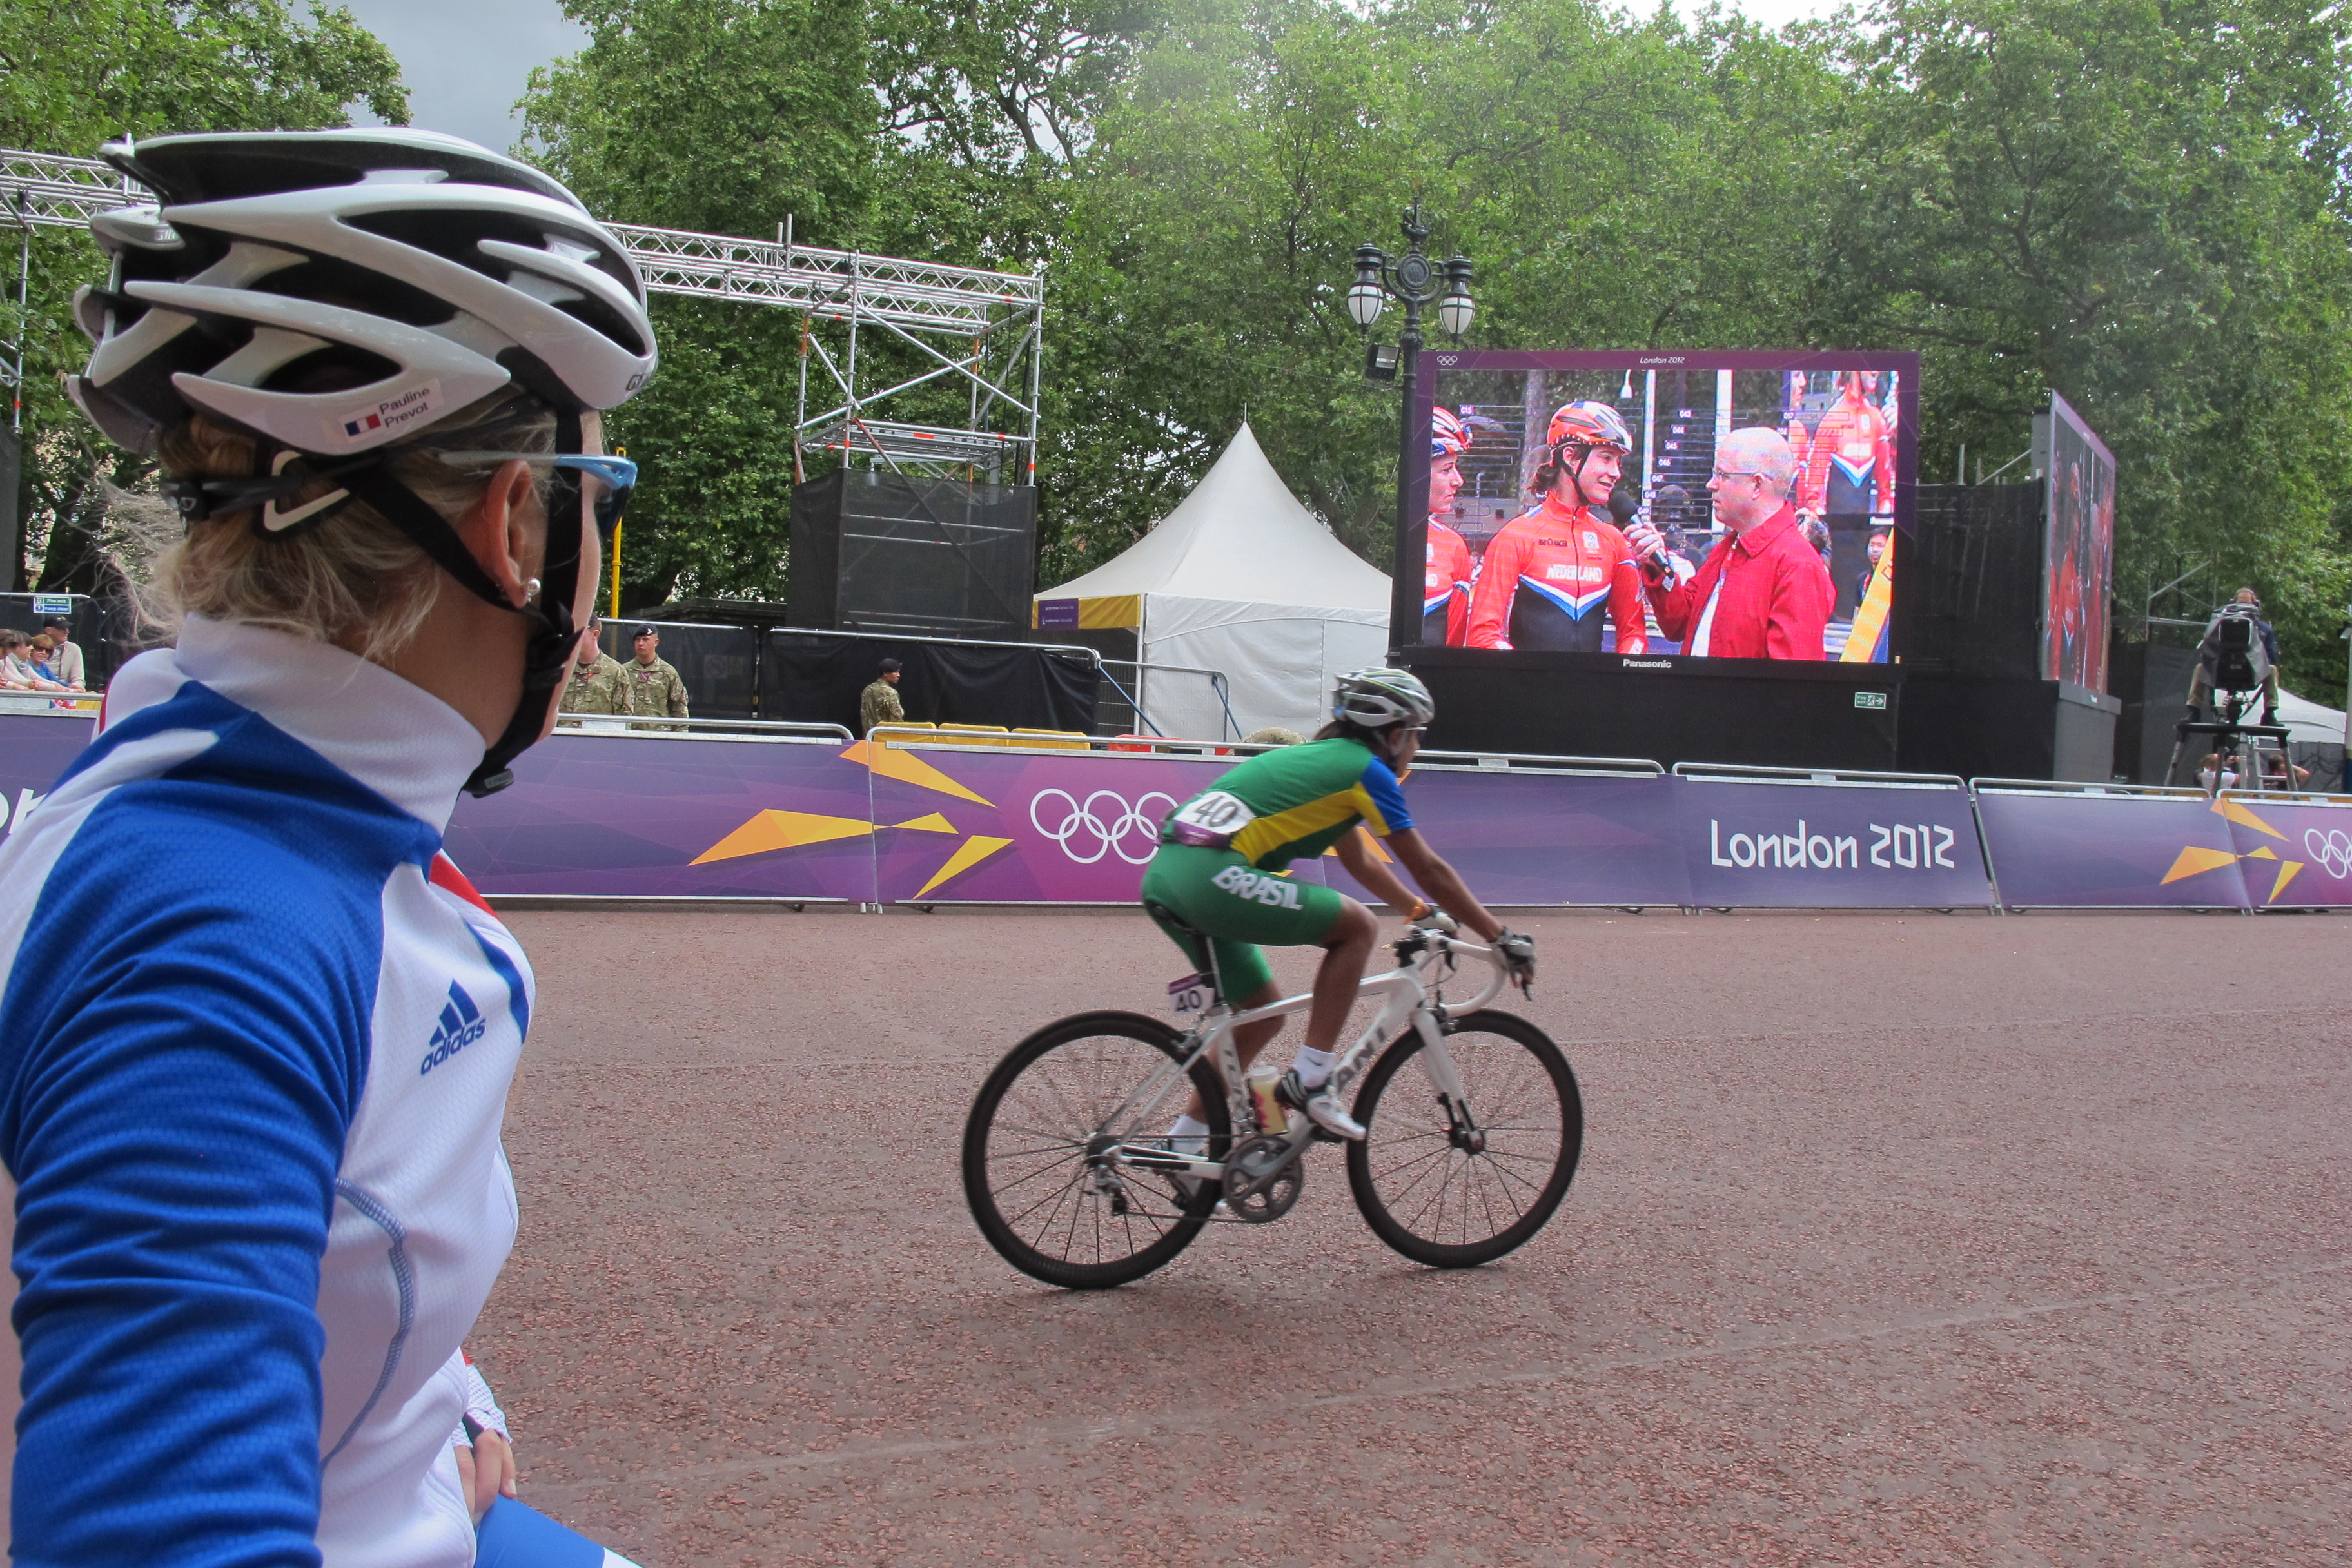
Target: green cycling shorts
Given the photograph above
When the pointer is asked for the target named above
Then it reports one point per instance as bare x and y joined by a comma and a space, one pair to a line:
1217, 891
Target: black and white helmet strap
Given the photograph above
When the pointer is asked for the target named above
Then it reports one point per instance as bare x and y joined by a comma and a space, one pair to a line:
553, 636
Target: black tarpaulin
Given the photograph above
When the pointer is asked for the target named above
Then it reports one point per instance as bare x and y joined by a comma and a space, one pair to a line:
818, 679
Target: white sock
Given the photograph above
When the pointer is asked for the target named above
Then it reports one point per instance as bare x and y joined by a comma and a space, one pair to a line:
1190, 1135
1313, 1067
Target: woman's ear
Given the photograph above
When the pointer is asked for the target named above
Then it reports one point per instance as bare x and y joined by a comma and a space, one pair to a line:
504, 530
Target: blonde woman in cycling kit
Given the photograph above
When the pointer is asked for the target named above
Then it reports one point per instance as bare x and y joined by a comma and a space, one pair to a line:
257, 1031
1218, 870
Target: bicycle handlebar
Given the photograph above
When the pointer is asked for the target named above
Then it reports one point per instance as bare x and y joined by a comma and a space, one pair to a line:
1435, 942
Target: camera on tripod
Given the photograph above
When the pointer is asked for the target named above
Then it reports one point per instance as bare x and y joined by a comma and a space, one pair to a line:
2231, 651
2233, 671
2233, 659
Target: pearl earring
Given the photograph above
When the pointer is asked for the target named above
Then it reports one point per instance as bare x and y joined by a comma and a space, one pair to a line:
530, 591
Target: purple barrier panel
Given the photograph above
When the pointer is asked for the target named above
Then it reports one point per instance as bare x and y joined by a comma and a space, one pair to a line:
1003, 827
1799, 844
2292, 853
656, 817
2058, 849
34, 748
1520, 837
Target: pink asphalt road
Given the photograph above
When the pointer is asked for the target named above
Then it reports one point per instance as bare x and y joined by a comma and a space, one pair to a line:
1898, 1239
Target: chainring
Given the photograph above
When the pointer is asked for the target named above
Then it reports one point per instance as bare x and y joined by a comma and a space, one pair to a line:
1263, 1177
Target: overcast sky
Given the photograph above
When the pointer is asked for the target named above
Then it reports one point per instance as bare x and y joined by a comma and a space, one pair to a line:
466, 61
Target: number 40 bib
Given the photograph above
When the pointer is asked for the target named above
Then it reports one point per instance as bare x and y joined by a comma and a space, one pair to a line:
1211, 821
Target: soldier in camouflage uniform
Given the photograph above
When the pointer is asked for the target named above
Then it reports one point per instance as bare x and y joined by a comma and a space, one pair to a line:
595, 683
654, 689
880, 703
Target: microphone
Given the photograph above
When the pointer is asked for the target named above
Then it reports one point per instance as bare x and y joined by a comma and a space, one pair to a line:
1624, 503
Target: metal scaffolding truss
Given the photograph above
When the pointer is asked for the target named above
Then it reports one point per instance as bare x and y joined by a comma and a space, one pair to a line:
978, 329
982, 329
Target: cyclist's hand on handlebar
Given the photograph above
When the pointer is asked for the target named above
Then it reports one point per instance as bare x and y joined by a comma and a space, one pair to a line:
1518, 955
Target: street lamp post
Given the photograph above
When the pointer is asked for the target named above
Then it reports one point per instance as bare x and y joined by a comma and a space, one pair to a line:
1413, 279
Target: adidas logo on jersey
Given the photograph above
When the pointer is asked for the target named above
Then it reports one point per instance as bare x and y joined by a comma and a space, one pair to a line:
461, 1025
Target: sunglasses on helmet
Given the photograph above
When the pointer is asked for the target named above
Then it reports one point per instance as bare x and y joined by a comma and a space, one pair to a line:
615, 477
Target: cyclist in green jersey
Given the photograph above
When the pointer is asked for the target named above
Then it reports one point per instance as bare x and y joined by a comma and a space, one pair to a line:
1220, 870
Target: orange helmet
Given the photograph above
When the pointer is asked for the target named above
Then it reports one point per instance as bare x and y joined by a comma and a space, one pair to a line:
1588, 423
1448, 438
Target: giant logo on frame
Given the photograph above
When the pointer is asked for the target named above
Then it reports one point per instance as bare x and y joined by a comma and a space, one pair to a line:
2195, 859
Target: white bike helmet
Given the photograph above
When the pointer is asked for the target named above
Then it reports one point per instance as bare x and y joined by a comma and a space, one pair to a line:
1376, 698
335, 293
429, 271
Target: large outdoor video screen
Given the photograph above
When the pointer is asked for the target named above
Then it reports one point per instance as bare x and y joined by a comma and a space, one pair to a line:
1725, 504
2078, 557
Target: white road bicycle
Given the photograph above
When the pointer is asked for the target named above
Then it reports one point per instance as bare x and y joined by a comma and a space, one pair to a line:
1069, 1173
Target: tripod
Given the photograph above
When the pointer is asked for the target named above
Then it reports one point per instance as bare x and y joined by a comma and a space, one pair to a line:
2233, 740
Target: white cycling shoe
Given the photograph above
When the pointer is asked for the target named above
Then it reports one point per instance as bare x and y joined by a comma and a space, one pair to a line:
1321, 1106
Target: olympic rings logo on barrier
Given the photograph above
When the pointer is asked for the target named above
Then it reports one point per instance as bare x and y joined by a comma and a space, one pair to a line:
2332, 849
1083, 822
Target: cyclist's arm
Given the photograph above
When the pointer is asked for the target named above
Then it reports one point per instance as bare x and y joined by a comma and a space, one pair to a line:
1440, 882
1356, 854
174, 1117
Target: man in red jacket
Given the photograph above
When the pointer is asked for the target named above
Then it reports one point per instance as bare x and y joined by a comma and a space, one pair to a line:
1763, 592
1548, 576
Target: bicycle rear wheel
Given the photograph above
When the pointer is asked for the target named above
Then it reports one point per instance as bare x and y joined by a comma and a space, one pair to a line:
1040, 1168
1455, 1187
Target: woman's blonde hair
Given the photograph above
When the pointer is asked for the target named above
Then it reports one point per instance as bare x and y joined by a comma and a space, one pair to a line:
354, 578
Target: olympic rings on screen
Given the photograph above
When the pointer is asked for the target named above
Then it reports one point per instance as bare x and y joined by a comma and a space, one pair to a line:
2332, 849
1085, 825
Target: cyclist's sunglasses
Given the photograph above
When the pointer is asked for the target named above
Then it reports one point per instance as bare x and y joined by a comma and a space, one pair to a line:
614, 478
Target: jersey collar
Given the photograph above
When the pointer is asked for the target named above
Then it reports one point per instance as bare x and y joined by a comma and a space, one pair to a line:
395, 737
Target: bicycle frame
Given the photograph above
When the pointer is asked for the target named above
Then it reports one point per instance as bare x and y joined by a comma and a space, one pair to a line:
1404, 997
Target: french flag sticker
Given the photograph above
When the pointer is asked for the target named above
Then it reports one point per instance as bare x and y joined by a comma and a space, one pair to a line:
362, 425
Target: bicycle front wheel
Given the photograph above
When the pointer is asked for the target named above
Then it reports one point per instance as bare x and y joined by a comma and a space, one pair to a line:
1047, 1163
1457, 1185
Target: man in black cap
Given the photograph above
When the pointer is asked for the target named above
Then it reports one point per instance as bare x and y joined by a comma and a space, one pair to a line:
879, 703
654, 689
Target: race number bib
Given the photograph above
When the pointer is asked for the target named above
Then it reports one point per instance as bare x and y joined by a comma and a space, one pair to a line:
1189, 995
1211, 821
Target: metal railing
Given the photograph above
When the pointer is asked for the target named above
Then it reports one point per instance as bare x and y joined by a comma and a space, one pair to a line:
1742, 773
1219, 683
691, 728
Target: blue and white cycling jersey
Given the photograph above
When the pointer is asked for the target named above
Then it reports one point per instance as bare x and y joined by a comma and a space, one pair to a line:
256, 1038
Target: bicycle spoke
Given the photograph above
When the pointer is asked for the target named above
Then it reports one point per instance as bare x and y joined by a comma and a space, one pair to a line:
1433, 1198
1041, 1166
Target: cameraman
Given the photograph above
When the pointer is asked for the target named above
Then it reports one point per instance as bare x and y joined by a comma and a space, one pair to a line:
2231, 659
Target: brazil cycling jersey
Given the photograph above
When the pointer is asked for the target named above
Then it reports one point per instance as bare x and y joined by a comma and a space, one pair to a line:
1295, 802
1218, 853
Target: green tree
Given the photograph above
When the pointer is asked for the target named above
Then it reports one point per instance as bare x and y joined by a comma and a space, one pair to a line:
2141, 205
1619, 184
75, 73
935, 131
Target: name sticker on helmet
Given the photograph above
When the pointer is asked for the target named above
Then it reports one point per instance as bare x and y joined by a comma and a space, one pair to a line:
366, 425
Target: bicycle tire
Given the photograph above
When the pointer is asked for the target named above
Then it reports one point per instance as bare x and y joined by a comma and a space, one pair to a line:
1511, 1101
1020, 1237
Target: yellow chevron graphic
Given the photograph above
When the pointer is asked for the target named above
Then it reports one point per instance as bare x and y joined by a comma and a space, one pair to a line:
907, 768
969, 853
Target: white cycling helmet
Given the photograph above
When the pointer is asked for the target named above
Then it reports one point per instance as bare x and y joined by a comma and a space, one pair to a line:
412, 272
1376, 698
335, 293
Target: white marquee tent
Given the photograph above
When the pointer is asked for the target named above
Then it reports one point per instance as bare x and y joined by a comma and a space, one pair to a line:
1239, 578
